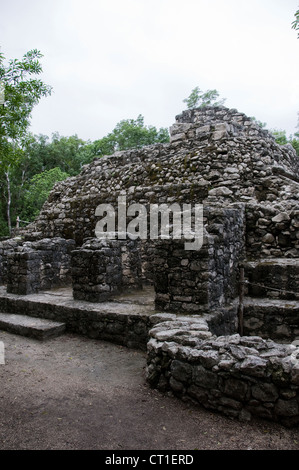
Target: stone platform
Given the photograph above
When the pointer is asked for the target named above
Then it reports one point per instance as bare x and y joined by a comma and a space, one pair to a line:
126, 320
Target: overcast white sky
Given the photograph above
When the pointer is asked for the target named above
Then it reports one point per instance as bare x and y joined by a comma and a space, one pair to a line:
109, 60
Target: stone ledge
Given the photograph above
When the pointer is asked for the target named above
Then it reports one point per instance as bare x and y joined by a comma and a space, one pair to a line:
28, 326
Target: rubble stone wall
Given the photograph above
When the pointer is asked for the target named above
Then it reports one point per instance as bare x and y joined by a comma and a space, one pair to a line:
239, 376
39, 265
6, 247
197, 280
275, 319
272, 230
103, 268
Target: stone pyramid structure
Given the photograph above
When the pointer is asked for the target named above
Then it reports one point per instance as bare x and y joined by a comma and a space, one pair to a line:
225, 324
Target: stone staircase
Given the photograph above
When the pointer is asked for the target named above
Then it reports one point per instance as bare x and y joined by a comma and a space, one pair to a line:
271, 303
37, 328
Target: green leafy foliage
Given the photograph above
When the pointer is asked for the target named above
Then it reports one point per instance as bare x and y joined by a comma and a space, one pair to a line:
200, 99
21, 94
295, 23
282, 139
37, 191
4, 231
67, 153
130, 133
21, 90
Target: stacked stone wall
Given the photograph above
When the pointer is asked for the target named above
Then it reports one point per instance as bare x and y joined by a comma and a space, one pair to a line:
275, 319
6, 247
272, 231
104, 268
199, 280
239, 376
40, 265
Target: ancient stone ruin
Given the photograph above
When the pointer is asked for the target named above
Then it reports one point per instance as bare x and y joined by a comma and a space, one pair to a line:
220, 324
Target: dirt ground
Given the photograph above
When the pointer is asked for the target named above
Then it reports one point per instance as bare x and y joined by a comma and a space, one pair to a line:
73, 393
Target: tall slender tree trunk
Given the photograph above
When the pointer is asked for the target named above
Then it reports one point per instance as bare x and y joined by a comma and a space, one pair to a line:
8, 201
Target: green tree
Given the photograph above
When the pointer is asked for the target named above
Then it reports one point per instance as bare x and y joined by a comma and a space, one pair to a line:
295, 138
200, 99
282, 139
67, 153
130, 133
280, 136
40, 155
37, 191
20, 92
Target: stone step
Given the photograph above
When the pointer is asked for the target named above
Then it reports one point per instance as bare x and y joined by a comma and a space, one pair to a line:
277, 319
32, 327
276, 278
125, 321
